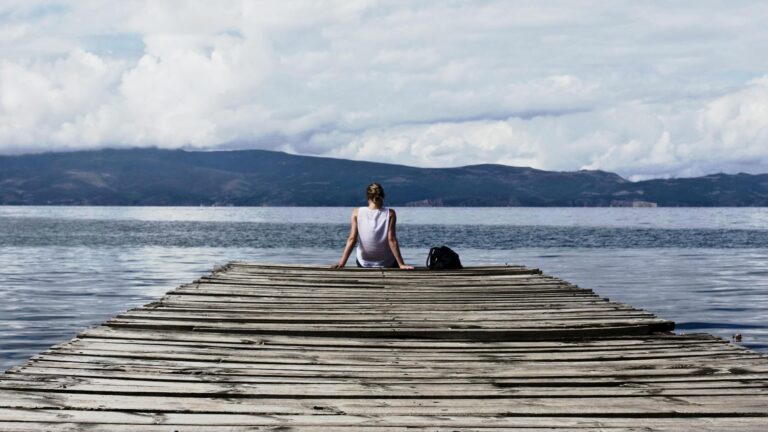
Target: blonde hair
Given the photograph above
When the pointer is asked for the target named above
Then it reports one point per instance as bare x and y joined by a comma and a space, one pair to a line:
375, 193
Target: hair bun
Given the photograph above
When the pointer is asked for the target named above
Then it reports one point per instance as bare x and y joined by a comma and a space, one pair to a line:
375, 193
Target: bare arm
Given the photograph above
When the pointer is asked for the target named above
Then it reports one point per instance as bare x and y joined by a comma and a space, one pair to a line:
351, 242
392, 239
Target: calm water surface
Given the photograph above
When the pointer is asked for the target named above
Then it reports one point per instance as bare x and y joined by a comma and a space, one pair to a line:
65, 268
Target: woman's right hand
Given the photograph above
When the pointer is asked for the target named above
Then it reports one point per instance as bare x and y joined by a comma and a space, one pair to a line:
337, 266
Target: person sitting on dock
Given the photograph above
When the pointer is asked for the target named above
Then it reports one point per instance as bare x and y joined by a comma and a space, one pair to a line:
374, 227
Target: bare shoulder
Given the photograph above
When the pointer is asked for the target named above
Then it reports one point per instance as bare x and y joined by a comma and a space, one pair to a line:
354, 212
392, 213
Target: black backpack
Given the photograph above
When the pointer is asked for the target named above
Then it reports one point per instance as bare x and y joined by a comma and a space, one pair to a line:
443, 258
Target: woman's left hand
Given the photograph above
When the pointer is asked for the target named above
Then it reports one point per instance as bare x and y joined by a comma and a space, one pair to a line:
405, 267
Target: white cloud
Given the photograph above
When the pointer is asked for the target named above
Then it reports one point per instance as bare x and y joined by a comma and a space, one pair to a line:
641, 140
647, 90
738, 123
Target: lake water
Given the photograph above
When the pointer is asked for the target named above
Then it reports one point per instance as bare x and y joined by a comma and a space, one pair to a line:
66, 268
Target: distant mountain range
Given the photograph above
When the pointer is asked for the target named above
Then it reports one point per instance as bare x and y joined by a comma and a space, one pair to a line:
267, 178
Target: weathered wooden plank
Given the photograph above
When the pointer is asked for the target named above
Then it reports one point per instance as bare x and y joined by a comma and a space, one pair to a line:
420, 290
634, 371
708, 425
179, 303
247, 299
191, 339
395, 325
153, 374
426, 286
519, 353
620, 340
384, 312
374, 318
165, 427
493, 409
519, 423
361, 389
110, 349
736, 364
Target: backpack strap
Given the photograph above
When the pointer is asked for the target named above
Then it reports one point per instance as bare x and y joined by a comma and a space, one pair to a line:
431, 257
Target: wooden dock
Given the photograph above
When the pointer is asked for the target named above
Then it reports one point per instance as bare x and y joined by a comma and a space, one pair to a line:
290, 348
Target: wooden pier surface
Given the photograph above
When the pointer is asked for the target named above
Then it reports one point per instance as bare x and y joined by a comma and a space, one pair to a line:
290, 348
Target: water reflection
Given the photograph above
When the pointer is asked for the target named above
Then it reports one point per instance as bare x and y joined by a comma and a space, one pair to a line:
668, 218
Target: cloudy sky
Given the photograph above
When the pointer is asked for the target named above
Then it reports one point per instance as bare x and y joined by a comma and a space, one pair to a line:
645, 89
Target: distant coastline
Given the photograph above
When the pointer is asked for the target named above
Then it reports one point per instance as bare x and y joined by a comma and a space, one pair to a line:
154, 177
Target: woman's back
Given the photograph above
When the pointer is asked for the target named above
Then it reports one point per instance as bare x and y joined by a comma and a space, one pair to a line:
373, 249
373, 231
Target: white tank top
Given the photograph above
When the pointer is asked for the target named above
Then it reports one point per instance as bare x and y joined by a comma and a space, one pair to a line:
372, 247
